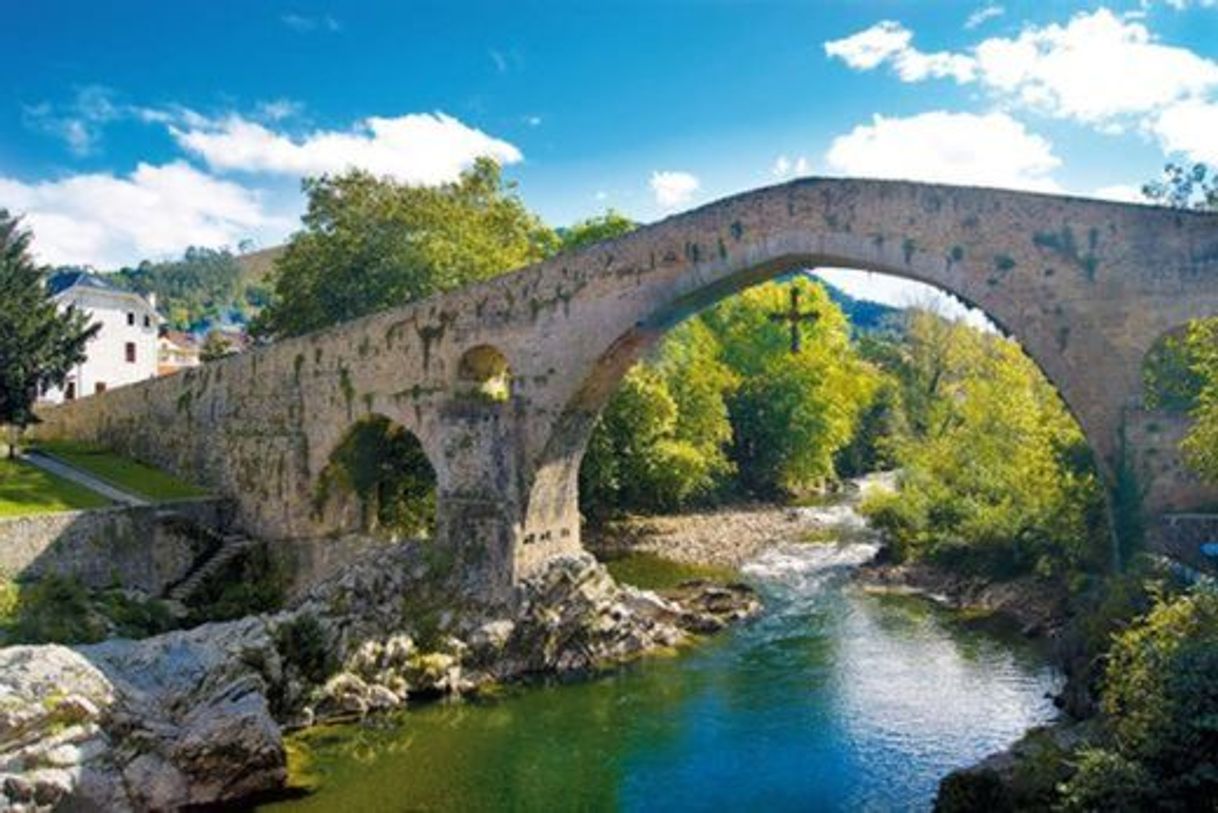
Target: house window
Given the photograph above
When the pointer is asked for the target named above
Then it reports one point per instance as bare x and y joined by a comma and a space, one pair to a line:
147, 320
99, 387
70, 393
131, 352
130, 318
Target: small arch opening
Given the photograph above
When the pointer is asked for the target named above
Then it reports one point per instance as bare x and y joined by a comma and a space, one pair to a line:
483, 374
380, 480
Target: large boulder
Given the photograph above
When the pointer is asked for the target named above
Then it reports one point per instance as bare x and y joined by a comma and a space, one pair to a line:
175, 720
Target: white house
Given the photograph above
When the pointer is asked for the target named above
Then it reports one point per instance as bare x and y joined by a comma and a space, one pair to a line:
123, 351
176, 351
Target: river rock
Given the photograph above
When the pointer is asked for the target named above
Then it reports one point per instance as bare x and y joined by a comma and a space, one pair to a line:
190, 717
179, 719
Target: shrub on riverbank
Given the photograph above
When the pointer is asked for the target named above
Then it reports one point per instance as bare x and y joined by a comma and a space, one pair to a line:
1160, 706
62, 610
996, 479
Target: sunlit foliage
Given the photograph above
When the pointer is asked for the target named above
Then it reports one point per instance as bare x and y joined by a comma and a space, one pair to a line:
370, 243
995, 475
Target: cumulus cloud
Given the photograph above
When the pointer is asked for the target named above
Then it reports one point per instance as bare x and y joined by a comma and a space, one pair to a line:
785, 167
940, 146
1189, 128
1098, 68
982, 15
1121, 193
422, 148
105, 220
673, 189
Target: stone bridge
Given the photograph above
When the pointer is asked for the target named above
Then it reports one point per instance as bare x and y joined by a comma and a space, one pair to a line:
1085, 286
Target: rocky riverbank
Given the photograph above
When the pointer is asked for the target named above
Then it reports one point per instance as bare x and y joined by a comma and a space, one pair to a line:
725, 537
196, 717
1040, 607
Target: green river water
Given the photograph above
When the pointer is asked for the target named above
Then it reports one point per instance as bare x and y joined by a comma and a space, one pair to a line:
834, 699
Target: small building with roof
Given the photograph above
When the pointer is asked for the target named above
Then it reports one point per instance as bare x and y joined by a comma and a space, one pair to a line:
123, 351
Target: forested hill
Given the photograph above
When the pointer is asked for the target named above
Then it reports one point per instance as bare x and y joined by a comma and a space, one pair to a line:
862, 313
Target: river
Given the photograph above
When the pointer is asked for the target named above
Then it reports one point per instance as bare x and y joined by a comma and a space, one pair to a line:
833, 699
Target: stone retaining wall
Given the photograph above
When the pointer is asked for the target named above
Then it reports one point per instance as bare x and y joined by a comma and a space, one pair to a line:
142, 547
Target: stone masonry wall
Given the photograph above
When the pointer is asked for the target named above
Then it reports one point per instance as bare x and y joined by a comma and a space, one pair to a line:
1085, 286
127, 546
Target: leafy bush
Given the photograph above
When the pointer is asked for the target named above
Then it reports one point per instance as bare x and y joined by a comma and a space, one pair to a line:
971, 791
1105, 780
303, 644
1160, 697
62, 610
55, 609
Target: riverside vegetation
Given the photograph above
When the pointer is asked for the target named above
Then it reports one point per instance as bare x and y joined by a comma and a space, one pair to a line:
995, 487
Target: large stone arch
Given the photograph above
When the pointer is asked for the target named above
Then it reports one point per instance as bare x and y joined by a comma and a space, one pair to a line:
1085, 286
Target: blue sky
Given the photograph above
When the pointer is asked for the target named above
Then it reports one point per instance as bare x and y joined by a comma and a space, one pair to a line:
132, 129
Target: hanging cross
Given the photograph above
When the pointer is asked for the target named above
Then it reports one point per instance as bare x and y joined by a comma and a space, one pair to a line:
796, 318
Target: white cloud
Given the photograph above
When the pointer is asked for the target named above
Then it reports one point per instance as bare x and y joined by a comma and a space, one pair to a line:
303, 23
1098, 68
939, 146
982, 15
1190, 128
1121, 193
785, 167
673, 189
889, 41
417, 148
106, 221
279, 109
79, 122
872, 47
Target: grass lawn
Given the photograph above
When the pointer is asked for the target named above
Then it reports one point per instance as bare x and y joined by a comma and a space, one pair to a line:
121, 472
648, 571
28, 490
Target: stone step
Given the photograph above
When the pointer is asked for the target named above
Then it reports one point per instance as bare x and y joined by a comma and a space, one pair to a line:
233, 547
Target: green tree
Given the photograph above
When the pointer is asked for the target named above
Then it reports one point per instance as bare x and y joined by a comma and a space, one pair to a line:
995, 475
190, 290
1201, 444
660, 441
215, 347
39, 344
1182, 187
595, 229
792, 412
370, 243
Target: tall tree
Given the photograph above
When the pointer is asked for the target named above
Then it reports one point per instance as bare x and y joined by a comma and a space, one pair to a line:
792, 412
39, 344
370, 243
